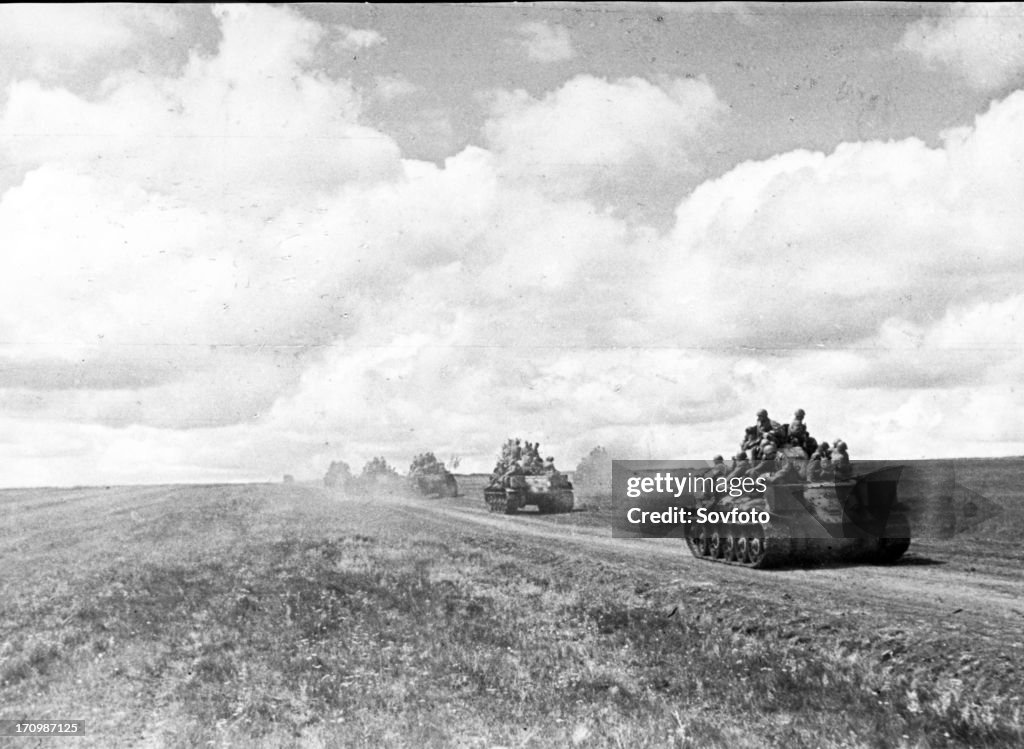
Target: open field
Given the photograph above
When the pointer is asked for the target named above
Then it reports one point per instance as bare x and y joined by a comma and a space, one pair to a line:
275, 615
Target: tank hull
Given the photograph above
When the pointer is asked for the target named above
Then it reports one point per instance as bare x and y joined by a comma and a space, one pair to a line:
549, 495
856, 521
438, 485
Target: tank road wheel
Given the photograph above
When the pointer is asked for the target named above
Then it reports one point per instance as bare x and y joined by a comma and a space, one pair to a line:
742, 549
716, 545
895, 543
699, 543
497, 501
564, 502
729, 546
511, 504
757, 550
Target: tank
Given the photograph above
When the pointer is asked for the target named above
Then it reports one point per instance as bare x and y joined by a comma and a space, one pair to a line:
429, 476
550, 494
435, 484
797, 522
521, 479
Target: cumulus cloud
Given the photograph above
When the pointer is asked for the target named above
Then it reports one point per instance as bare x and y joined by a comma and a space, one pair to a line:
352, 40
153, 218
546, 42
49, 39
984, 42
226, 273
849, 236
593, 130
248, 124
390, 87
871, 286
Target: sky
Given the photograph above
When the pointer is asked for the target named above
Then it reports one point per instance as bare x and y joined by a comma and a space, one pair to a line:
243, 241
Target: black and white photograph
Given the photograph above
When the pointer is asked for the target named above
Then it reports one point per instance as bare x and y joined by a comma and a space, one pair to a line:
510, 375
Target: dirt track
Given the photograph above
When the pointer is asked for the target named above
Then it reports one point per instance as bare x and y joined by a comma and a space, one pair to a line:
927, 588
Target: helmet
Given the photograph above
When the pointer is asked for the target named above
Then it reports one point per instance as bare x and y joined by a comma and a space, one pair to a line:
761, 413
769, 450
799, 413
741, 456
718, 458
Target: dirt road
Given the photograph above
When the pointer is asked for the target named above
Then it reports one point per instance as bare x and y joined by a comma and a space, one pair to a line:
978, 594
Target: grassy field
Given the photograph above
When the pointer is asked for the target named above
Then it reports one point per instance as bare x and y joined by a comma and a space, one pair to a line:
283, 616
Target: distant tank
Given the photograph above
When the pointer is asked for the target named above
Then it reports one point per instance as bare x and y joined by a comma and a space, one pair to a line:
859, 519
521, 479
435, 484
430, 477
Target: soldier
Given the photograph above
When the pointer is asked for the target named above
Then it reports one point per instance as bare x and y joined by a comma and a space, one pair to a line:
786, 471
810, 445
813, 470
797, 433
757, 451
718, 467
767, 462
549, 466
841, 462
826, 461
740, 466
517, 450
766, 426
750, 438
516, 469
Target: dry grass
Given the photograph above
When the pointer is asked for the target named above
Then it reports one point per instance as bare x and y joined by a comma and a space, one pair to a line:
271, 616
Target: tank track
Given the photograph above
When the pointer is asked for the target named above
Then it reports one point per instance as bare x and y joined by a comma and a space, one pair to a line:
558, 503
757, 547
498, 500
509, 503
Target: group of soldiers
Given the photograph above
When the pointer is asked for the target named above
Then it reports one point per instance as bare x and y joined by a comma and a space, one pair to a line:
519, 459
426, 464
785, 453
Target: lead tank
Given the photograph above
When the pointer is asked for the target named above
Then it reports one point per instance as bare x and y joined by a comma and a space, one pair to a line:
794, 522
